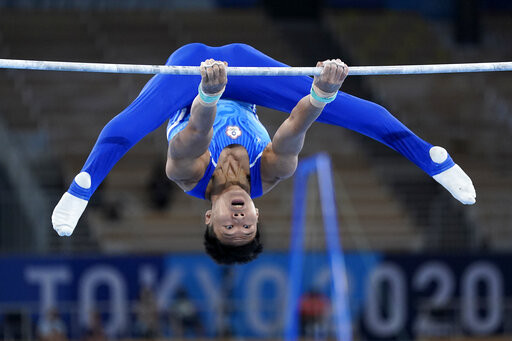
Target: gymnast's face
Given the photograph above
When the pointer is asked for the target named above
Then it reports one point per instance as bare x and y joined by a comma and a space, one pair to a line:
233, 216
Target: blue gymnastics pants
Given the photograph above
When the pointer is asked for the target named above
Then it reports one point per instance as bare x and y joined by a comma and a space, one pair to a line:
164, 95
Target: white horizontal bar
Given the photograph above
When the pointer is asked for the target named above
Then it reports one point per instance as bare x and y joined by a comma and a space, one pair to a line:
251, 71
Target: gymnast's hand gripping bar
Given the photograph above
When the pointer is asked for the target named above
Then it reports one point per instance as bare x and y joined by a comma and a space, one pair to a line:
251, 71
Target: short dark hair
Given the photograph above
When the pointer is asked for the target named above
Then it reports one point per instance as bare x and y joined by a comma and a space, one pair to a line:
230, 254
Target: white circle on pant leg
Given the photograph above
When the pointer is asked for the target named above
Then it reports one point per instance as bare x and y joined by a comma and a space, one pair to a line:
438, 154
83, 180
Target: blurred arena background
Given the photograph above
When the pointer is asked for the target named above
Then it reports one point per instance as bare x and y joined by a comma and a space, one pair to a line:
421, 266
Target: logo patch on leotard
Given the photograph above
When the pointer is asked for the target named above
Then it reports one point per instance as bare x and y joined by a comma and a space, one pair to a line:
233, 132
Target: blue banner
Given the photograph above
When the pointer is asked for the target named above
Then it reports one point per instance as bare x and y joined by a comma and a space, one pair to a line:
390, 295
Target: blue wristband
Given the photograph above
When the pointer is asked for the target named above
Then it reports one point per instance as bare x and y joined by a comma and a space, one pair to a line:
207, 98
323, 99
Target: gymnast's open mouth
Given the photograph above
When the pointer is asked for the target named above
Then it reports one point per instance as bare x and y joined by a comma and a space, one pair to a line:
238, 203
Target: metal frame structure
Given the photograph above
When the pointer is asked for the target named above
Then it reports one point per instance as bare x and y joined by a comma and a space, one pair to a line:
321, 165
250, 71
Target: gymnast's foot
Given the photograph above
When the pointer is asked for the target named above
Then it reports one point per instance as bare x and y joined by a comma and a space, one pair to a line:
458, 184
66, 214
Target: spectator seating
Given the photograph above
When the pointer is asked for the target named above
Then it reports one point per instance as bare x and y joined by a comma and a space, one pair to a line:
467, 114
73, 107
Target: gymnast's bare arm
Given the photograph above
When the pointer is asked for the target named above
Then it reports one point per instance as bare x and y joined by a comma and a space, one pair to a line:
279, 159
188, 154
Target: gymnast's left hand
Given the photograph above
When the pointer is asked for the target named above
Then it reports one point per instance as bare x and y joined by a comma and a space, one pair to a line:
213, 76
333, 74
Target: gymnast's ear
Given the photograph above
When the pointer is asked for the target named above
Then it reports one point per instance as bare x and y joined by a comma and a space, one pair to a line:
208, 217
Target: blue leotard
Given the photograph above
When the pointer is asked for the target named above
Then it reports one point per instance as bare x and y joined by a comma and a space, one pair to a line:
166, 94
235, 123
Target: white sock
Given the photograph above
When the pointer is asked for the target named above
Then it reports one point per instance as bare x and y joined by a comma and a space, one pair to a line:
66, 214
70, 208
458, 184
453, 179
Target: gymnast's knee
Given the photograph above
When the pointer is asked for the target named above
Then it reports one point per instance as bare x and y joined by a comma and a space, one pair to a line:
379, 112
116, 133
380, 109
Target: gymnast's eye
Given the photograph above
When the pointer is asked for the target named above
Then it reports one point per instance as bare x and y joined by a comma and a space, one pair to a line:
246, 226
229, 227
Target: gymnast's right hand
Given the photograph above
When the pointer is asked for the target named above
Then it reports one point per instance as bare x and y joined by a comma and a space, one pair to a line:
213, 76
333, 74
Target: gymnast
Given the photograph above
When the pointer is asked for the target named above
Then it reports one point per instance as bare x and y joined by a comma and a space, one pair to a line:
219, 151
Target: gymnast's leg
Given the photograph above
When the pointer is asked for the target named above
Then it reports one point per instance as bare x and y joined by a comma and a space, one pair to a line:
162, 97
370, 119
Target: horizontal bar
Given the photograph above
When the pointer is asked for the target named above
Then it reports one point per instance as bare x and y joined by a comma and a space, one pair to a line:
251, 71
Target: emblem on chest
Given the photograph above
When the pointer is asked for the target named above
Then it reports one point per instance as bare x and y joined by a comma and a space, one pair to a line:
233, 132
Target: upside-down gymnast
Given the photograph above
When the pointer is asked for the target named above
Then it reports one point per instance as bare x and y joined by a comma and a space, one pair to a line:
219, 151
